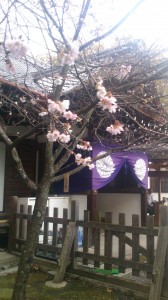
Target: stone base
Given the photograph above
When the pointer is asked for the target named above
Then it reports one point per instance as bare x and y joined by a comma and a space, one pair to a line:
55, 285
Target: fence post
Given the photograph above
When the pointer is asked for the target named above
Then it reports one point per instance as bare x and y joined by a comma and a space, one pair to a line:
96, 233
12, 224
64, 227
135, 244
29, 211
164, 222
121, 242
108, 240
150, 244
160, 258
74, 217
46, 227
86, 235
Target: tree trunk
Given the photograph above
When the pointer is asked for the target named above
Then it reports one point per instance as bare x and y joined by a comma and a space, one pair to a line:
19, 292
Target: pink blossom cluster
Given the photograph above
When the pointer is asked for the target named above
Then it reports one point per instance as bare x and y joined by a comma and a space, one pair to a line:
84, 145
34, 101
43, 113
86, 162
68, 58
55, 135
58, 80
61, 107
68, 115
16, 47
58, 106
107, 101
116, 128
124, 70
23, 99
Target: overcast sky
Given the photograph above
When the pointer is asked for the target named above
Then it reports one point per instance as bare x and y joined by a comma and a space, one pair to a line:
148, 22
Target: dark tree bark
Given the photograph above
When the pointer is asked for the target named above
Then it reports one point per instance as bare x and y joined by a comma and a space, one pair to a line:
19, 292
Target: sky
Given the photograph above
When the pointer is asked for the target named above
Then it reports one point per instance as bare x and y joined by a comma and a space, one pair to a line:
148, 22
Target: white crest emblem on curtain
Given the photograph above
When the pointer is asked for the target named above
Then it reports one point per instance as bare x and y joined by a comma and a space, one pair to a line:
140, 168
105, 166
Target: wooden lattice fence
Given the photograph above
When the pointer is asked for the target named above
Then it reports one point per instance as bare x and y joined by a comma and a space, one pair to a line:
101, 247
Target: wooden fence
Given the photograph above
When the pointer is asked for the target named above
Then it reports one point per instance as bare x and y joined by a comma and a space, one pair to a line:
100, 249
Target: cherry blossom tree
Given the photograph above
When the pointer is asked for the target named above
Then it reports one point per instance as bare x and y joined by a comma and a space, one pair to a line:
79, 83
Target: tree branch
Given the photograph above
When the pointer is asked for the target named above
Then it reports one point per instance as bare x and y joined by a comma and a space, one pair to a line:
18, 164
101, 37
81, 19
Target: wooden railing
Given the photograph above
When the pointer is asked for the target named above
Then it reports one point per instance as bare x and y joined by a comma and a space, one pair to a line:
105, 253
105, 246
104, 243
52, 233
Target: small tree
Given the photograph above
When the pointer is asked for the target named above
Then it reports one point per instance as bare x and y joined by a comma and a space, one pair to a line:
113, 93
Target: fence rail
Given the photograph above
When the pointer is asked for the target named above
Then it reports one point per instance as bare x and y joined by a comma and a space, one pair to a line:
141, 258
99, 248
103, 244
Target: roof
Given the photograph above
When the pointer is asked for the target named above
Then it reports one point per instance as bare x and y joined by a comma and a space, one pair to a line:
136, 95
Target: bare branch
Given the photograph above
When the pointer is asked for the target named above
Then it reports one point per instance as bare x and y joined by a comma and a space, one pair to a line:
101, 37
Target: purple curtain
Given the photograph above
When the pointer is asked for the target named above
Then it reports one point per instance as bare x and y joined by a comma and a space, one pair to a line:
108, 167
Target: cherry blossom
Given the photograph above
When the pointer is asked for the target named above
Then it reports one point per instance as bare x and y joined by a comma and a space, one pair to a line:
84, 145
91, 166
64, 138
69, 115
53, 106
23, 99
33, 101
116, 128
69, 57
43, 113
101, 92
58, 106
16, 47
78, 159
67, 127
53, 136
58, 80
108, 103
124, 70
86, 162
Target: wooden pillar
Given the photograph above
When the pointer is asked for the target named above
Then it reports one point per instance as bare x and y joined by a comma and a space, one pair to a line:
143, 207
91, 204
157, 213
12, 222
159, 188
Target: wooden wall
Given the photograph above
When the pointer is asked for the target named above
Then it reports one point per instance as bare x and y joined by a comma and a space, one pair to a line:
13, 183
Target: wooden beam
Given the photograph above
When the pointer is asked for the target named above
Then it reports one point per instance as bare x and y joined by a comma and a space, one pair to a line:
65, 253
158, 173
